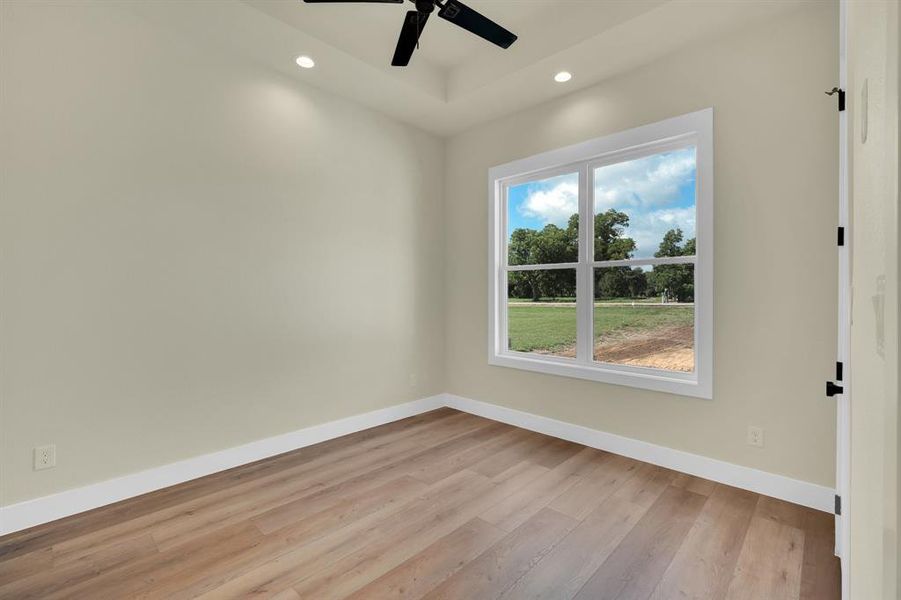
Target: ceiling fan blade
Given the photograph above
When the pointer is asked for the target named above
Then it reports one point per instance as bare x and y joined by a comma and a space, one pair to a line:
343, 1
414, 23
459, 14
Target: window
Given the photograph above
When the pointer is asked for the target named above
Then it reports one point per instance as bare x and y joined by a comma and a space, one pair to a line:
602, 259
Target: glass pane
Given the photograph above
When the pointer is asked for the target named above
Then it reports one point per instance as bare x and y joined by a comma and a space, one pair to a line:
645, 316
541, 311
543, 221
645, 207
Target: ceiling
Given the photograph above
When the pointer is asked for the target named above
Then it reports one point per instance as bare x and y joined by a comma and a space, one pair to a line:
456, 80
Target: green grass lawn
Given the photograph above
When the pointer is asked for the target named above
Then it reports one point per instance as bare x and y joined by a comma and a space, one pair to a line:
553, 328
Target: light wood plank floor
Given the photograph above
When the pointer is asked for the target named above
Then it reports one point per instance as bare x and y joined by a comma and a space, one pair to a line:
442, 505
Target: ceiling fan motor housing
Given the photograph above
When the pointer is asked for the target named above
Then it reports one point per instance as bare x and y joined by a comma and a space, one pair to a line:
425, 6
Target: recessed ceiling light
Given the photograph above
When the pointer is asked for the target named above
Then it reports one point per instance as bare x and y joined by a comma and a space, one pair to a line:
563, 76
305, 62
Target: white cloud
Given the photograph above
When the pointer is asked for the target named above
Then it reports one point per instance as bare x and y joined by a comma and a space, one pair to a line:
648, 228
555, 205
645, 182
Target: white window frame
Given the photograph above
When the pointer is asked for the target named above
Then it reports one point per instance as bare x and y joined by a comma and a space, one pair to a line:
692, 129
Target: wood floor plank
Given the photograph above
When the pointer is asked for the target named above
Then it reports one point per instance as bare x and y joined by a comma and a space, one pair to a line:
820, 571
286, 594
469, 458
417, 576
703, 566
136, 576
309, 516
306, 560
636, 566
586, 494
645, 488
499, 567
781, 512
26, 565
705, 487
444, 504
383, 501
281, 570
509, 457
288, 510
520, 506
398, 540
557, 451
770, 562
562, 573
62, 577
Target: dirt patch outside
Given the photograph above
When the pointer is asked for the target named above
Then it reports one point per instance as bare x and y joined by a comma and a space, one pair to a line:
670, 348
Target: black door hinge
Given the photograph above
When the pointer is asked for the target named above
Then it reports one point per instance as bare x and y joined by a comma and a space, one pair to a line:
832, 389
841, 97
838, 504
841, 236
839, 367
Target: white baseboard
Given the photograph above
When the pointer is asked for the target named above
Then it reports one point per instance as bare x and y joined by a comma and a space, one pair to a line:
63, 504
762, 482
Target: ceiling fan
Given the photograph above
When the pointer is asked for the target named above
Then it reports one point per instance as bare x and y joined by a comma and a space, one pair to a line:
450, 10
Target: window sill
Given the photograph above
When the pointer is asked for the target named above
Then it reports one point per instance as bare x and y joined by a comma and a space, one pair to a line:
683, 384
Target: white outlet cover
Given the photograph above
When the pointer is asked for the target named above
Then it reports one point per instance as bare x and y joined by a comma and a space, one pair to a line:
755, 436
44, 457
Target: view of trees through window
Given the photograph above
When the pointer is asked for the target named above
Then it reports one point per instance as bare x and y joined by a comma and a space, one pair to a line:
643, 313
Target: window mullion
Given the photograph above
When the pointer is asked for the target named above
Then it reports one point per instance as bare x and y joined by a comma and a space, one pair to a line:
634, 262
542, 267
584, 304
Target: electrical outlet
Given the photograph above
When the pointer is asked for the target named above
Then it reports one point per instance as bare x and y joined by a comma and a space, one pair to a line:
44, 457
413, 381
755, 436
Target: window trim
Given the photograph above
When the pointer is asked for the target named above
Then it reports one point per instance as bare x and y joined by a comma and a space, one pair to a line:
676, 132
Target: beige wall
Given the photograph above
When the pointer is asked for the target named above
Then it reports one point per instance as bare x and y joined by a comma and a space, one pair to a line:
196, 252
873, 63
775, 213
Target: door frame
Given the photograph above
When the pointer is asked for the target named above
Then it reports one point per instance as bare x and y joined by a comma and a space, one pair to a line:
843, 409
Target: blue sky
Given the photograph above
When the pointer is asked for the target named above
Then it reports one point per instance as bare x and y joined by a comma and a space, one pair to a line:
657, 192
